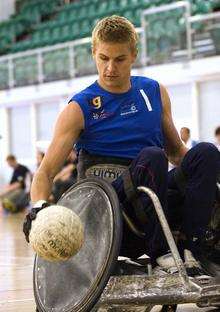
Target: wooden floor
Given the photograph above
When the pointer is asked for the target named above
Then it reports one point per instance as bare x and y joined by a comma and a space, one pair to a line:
16, 263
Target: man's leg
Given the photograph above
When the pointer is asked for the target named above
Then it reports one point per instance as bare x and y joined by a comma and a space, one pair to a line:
199, 166
148, 169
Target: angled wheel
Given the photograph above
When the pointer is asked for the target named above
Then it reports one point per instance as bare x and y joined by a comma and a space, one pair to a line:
75, 285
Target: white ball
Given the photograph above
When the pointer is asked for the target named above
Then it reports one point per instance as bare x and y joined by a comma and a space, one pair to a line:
56, 233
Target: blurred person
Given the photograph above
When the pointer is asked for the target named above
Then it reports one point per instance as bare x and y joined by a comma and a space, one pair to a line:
185, 135
15, 195
217, 138
65, 178
127, 120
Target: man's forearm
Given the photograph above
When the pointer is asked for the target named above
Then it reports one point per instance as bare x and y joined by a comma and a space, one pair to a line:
41, 186
177, 158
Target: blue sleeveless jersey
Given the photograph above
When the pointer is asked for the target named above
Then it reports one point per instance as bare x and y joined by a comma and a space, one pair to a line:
120, 125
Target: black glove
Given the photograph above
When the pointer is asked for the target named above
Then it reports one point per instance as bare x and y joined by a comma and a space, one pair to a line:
31, 216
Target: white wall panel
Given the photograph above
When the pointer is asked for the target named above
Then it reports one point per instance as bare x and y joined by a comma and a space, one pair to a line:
180, 96
209, 109
4, 146
46, 116
20, 132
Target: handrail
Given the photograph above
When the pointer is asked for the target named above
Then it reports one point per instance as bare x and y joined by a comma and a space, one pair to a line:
165, 7
198, 18
51, 48
46, 49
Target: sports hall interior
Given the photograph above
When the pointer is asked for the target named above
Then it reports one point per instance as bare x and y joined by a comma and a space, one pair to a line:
45, 58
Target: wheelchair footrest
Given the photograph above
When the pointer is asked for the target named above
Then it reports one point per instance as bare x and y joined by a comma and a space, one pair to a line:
210, 294
143, 289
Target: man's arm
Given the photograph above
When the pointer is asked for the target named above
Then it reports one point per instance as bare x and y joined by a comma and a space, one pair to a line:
174, 147
67, 129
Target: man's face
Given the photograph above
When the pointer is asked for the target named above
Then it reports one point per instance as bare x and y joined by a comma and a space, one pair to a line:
114, 61
184, 135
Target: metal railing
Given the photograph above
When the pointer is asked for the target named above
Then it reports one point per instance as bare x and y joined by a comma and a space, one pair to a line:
168, 34
205, 35
188, 37
61, 61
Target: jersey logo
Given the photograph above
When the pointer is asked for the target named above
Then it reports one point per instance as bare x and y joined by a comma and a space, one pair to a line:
97, 102
128, 108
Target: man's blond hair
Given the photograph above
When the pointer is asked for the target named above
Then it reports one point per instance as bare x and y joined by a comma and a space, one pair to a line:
115, 29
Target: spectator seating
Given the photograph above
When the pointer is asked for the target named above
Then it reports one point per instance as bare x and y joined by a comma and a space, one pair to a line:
41, 23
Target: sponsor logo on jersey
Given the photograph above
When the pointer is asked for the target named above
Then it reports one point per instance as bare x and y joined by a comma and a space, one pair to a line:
128, 108
101, 115
97, 102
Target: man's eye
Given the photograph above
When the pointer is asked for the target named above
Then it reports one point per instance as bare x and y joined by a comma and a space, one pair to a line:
120, 60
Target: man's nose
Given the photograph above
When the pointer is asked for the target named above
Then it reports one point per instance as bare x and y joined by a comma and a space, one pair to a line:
111, 66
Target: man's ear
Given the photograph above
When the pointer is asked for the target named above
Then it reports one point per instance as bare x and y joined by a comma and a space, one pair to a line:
134, 55
93, 52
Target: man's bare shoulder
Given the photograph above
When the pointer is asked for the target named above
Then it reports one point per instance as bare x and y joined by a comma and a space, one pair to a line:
73, 106
72, 115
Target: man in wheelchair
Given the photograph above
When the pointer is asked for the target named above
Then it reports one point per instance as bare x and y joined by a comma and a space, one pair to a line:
123, 130
197, 226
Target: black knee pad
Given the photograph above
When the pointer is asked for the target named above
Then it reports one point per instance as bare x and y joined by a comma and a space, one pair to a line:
153, 153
